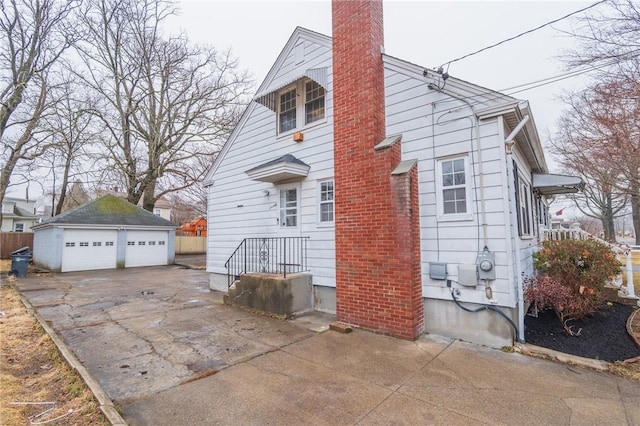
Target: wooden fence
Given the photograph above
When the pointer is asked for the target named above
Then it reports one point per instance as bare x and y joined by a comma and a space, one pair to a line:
191, 245
12, 241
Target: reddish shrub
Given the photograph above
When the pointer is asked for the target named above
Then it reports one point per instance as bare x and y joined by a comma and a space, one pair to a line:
572, 275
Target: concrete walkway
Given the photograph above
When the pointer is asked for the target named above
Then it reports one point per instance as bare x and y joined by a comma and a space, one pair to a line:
363, 378
168, 352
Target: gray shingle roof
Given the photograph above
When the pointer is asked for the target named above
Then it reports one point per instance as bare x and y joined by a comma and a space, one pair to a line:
109, 210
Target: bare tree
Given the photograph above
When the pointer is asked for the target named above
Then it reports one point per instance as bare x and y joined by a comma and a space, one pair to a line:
165, 103
69, 132
598, 138
33, 36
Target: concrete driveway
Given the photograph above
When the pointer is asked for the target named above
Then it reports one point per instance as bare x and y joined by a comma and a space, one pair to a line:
143, 330
158, 342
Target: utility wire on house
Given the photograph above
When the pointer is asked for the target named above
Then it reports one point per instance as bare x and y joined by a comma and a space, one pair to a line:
523, 33
523, 87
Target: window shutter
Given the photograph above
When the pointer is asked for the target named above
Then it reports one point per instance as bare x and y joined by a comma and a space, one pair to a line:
517, 191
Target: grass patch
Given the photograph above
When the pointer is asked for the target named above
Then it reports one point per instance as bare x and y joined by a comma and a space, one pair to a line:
32, 370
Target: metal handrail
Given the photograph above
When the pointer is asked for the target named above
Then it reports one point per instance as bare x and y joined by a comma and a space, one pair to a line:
269, 255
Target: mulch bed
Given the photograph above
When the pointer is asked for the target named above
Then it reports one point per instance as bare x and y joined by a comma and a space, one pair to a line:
604, 334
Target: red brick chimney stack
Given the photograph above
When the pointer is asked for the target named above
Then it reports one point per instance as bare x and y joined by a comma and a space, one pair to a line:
378, 283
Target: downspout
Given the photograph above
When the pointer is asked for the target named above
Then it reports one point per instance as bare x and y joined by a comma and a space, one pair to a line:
509, 142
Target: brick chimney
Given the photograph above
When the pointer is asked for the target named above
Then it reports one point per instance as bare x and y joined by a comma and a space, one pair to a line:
378, 280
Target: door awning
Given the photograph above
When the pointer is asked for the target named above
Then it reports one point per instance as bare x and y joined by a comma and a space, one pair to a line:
548, 184
283, 169
267, 97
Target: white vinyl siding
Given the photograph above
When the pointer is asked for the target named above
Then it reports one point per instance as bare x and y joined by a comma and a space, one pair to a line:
436, 127
242, 208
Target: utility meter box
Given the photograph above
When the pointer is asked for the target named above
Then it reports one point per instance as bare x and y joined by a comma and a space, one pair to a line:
486, 262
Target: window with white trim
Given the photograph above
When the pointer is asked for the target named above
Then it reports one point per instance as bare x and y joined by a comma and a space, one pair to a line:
325, 202
300, 104
288, 208
524, 194
452, 183
313, 102
18, 227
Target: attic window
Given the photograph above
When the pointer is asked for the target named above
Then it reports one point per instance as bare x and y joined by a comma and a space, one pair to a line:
303, 100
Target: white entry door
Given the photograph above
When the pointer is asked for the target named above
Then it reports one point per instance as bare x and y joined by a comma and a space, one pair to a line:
146, 248
289, 210
87, 249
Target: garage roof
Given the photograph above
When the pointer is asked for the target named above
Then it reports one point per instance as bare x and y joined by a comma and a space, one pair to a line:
108, 210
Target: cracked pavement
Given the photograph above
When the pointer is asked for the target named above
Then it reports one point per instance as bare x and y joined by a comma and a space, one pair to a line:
140, 331
168, 352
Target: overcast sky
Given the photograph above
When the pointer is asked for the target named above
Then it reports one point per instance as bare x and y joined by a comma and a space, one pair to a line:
428, 33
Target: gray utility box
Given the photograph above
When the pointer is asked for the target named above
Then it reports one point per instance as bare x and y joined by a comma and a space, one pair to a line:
20, 261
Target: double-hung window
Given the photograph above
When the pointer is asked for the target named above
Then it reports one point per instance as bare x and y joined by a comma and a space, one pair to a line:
299, 105
313, 102
326, 202
525, 210
523, 202
287, 111
452, 183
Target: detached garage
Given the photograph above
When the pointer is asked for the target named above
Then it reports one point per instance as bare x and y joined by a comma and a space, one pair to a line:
105, 233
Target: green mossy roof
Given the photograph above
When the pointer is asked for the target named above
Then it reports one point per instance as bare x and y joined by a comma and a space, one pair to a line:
109, 210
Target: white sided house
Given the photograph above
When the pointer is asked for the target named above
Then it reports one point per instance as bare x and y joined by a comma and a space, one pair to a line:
480, 172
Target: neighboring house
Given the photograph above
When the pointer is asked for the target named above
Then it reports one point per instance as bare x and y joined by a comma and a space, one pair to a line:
18, 215
412, 188
105, 233
162, 208
194, 228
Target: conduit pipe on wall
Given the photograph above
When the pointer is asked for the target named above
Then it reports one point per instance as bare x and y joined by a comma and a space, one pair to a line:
509, 142
483, 210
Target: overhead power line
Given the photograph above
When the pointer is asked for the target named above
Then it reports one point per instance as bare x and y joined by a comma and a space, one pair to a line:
524, 33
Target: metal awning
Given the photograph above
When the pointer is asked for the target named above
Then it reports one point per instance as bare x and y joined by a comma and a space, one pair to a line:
283, 169
267, 97
548, 184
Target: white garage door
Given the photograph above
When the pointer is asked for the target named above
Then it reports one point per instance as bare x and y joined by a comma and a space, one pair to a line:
146, 248
86, 249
